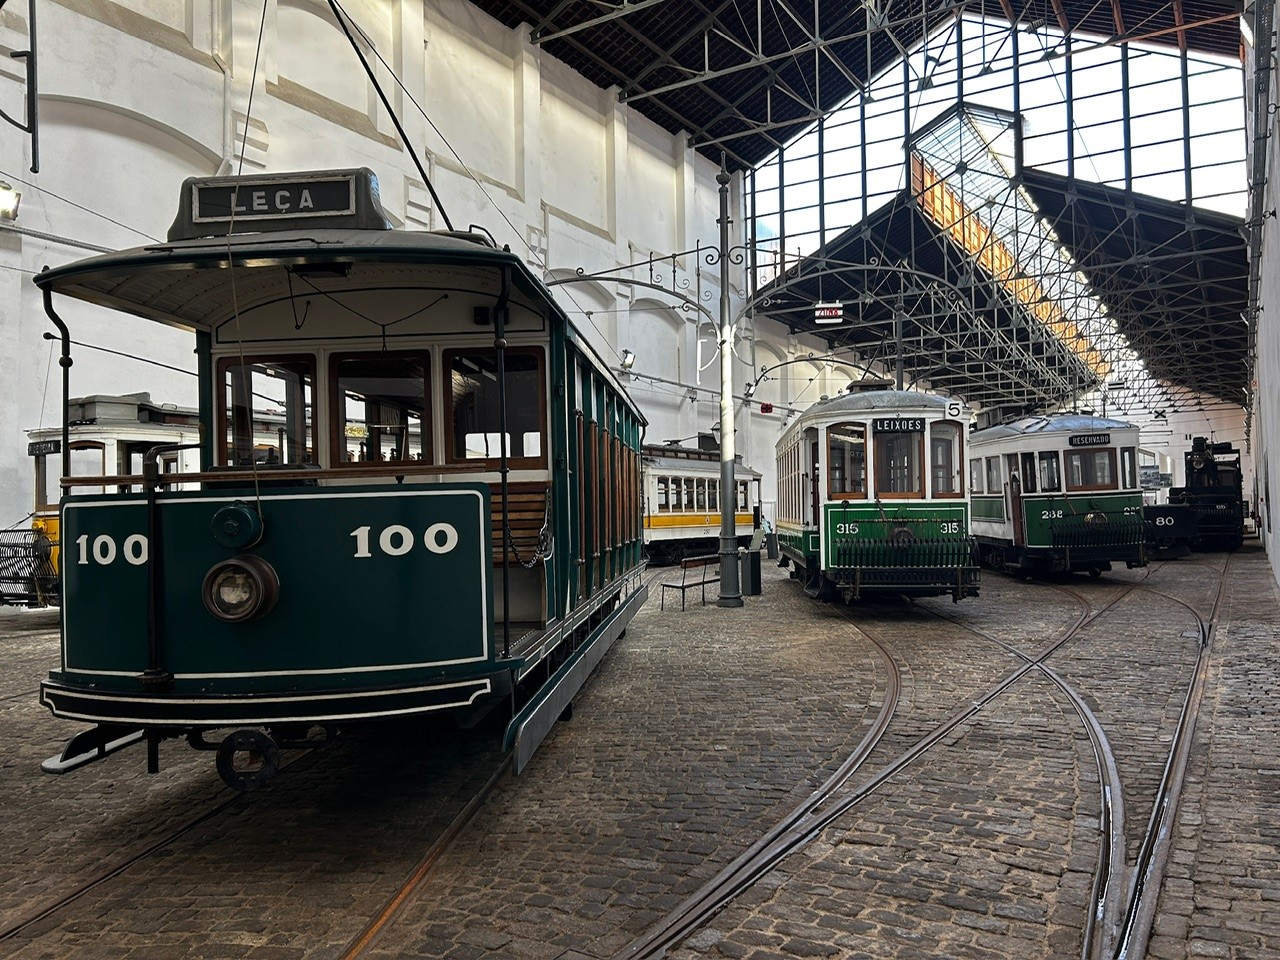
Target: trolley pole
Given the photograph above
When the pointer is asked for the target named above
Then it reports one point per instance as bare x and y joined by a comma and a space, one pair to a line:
730, 594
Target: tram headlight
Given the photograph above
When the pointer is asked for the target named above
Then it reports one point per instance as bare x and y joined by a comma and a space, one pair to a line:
242, 588
1095, 518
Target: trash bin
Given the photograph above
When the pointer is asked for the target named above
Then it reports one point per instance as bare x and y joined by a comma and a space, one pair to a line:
750, 572
771, 545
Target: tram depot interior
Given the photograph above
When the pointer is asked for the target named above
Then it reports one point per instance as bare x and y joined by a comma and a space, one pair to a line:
1044, 231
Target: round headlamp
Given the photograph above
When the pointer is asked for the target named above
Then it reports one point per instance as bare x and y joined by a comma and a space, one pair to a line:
242, 588
1095, 518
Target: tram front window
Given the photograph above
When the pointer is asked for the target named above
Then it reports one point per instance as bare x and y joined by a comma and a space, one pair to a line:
383, 414
898, 458
1091, 470
474, 413
945, 458
266, 411
1050, 475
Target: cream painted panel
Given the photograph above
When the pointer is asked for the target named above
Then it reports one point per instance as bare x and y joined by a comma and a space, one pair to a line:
168, 12
651, 221
573, 150
470, 94
314, 53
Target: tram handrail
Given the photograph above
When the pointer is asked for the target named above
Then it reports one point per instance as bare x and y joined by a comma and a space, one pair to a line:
401, 469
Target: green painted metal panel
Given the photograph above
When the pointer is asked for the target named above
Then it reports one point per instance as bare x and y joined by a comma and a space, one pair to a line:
376, 583
988, 508
1043, 514
870, 520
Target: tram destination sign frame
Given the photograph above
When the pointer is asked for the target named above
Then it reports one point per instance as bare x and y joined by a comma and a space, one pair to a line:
1089, 440
324, 199
898, 424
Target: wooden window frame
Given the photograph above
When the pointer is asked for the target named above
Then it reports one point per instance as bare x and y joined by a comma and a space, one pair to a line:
446, 388
1088, 488
959, 460
220, 402
920, 494
832, 494
337, 438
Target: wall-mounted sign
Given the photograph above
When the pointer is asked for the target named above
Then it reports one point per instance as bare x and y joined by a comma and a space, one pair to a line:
1089, 440
42, 448
898, 424
828, 312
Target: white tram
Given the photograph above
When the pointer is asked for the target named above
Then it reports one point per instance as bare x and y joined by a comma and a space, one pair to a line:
682, 502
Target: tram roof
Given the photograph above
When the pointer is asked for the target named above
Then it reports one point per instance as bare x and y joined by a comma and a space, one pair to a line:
1050, 424
872, 401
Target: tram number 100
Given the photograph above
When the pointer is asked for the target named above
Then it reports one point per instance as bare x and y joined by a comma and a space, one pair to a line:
397, 540
104, 550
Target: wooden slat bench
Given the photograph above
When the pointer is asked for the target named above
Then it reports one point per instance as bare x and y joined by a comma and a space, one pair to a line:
701, 576
526, 514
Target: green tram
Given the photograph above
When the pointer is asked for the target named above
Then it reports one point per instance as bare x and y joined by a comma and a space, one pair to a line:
1057, 493
871, 496
444, 516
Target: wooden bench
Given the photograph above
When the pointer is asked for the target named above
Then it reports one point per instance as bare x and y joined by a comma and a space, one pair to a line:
526, 513
702, 576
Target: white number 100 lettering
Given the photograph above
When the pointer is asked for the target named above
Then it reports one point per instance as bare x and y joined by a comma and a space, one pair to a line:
397, 540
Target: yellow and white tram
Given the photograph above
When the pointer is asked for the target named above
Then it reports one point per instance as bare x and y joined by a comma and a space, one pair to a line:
682, 502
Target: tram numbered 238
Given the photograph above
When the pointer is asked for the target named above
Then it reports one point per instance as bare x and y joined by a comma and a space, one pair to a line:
1057, 493
871, 496
449, 519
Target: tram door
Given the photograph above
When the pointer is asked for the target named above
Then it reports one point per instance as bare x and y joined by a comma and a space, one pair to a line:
1015, 500
815, 500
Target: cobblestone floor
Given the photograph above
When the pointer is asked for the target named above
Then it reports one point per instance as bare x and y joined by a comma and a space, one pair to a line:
699, 730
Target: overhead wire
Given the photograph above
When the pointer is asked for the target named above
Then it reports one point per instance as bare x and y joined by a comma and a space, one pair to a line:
480, 185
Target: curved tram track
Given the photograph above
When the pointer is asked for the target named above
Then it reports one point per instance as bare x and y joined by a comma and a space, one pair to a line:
1122, 898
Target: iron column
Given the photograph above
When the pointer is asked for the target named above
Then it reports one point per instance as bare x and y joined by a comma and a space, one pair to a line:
730, 595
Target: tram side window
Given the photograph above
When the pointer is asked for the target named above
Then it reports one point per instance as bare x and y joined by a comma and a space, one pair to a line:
1091, 469
688, 494
700, 488
474, 413
847, 475
88, 459
995, 482
664, 502
899, 471
975, 475
383, 413
1050, 474
713, 494
742, 496
266, 411
945, 459
1128, 468
1029, 473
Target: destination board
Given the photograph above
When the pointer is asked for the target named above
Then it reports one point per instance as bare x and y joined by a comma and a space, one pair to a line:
898, 424
248, 200
1089, 440
41, 448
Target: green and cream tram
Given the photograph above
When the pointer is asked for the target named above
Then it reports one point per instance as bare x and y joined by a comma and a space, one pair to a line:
871, 496
1057, 493
445, 516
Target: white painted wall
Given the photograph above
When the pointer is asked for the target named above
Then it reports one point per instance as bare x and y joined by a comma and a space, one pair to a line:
138, 94
1265, 426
